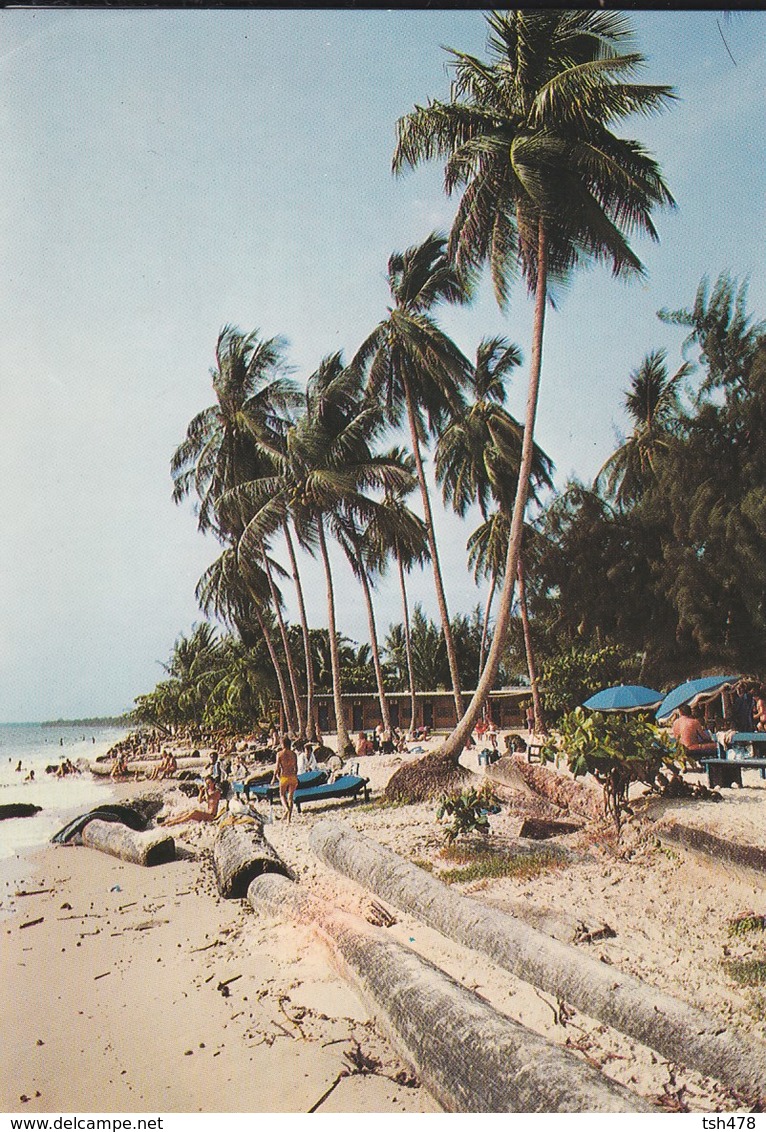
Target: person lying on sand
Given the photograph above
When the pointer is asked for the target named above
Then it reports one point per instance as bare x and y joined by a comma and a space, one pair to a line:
286, 770
209, 798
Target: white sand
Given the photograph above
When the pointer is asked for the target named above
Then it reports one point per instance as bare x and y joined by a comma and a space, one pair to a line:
119, 1009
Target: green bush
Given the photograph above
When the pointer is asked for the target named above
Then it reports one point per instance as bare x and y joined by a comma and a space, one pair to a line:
468, 811
569, 678
616, 749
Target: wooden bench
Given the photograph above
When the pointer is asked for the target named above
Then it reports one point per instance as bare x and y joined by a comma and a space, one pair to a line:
728, 772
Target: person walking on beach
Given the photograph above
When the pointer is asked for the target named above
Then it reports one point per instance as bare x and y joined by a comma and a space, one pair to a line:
286, 770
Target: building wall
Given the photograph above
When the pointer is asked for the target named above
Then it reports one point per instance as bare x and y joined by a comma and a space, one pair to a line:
436, 710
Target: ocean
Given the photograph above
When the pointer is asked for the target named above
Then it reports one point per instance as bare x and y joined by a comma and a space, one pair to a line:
37, 747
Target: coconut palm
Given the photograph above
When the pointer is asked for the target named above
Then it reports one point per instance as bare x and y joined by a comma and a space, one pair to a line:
227, 445
478, 458
325, 470
392, 529
546, 186
396, 532
239, 597
417, 372
654, 410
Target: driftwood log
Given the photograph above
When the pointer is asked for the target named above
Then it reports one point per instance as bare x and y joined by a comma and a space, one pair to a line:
241, 853
673, 1028
152, 847
565, 793
720, 849
18, 810
470, 1057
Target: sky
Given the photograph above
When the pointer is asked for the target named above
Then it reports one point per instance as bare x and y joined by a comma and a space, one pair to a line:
165, 172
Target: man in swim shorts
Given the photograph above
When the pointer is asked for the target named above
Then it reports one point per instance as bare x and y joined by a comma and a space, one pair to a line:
286, 770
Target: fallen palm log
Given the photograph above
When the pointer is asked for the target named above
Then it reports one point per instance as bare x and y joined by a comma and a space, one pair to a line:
563, 792
151, 847
719, 849
673, 1028
470, 1057
241, 853
18, 810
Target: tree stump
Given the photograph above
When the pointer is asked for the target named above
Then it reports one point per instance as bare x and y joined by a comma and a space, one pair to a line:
152, 847
241, 853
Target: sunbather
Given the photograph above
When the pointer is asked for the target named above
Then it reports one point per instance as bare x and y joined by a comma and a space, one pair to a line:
209, 799
692, 735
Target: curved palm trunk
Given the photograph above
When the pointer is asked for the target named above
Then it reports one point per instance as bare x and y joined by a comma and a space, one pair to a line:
275, 662
298, 718
407, 644
385, 714
485, 626
310, 720
537, 706
455, 742
438, 583
340, 725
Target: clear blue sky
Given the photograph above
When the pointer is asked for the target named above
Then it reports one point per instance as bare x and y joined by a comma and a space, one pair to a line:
166, 172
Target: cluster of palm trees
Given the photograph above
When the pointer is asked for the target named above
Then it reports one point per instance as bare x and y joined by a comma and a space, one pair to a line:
269, 461
545, 185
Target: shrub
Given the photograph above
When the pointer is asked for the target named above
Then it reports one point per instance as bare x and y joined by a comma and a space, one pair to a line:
616, 749
571, 677
468, 810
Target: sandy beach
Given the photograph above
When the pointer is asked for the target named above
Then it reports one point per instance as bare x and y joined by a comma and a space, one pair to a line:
141, 989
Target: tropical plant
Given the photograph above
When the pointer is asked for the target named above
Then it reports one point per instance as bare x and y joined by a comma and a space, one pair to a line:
572, 676
417, 372
722, 329
228, 444
468, 810
477, 460
325, 469
546, 185
616, 749
654, 410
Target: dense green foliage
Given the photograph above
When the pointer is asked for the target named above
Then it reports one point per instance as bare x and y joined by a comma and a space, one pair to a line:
571, 677
665, 556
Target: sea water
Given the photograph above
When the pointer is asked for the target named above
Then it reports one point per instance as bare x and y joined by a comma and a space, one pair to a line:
37, 747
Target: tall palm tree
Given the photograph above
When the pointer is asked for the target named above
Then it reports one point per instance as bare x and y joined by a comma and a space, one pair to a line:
391, 529
398, 533
545, 187
478, 458
226, 445
417, 372
325, 471
238, 598
654, 410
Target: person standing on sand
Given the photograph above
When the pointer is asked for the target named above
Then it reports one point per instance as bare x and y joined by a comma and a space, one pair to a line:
286, 770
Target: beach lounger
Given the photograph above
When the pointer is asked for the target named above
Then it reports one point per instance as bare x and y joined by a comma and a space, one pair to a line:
348, 786
268, 792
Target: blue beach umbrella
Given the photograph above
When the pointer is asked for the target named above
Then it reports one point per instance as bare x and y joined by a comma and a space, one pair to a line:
691, 692
624, 697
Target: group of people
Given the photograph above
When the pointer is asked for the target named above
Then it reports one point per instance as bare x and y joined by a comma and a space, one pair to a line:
748, 708
383, 742
746, 712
